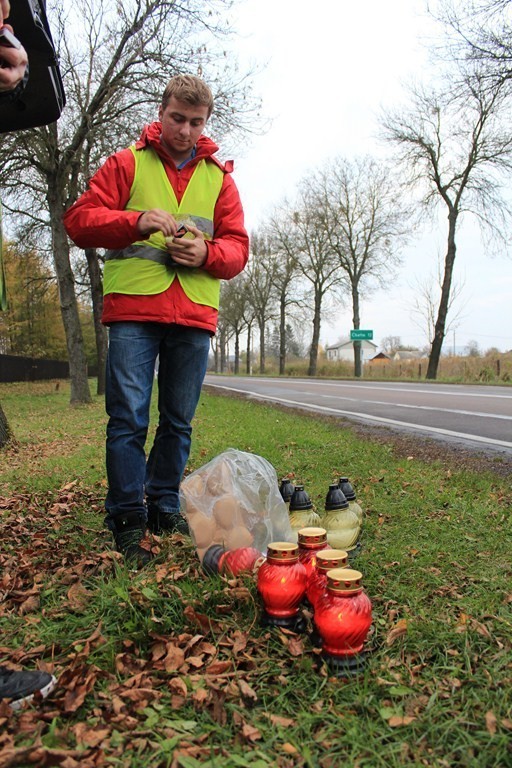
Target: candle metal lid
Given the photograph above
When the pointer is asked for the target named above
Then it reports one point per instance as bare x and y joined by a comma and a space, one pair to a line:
344, 581
329, 559
312, 537
282, 551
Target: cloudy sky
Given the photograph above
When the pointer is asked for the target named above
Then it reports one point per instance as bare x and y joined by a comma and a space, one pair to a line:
330, 68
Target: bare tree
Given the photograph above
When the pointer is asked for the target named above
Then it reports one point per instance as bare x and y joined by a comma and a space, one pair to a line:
478, 31
115, 59
260, 286
426, 300
391, 344
472, 349
454, 148
303, 238
233, 310
364, 221
289, 293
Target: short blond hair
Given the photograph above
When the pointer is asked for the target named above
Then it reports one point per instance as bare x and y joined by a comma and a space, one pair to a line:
190, 89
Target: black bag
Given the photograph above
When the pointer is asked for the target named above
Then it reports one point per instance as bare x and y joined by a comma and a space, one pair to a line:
43, 98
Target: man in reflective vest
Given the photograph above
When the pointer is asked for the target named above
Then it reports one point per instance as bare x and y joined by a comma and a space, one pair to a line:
169, 214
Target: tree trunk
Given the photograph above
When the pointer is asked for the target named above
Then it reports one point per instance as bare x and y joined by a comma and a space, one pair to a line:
100, 332
262, 347
357, 358
222, 346
5, 430
80, 392
313, 350
216, 355
356, 322
440, 326
282, 335
248, 367
237, 352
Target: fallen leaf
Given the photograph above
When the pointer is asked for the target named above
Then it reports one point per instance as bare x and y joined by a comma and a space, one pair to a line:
200, 619
284, 722
240, 642
219, 667
158, 651
199, 696
177, 701
94, 738
296, 646
247, 692
490, 722
29, 605
78, 597
399, 630
397, 720
196, 661
78, 689
178, 686
250, 733
481, 629
174, 658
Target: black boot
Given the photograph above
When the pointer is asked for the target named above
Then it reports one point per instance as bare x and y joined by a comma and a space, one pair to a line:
161, 521
129, 530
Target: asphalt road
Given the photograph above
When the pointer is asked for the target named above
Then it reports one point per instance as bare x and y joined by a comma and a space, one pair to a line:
472, 416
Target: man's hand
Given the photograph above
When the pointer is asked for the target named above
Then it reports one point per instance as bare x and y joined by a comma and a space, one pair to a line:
156, 220
189, 253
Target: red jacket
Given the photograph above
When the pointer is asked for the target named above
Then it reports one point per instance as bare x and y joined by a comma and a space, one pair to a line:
98, 220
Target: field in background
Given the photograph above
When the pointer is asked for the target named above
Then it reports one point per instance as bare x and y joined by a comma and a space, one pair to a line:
488, 369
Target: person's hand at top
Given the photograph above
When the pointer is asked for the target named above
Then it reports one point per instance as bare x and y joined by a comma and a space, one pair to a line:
5, 9
13, 61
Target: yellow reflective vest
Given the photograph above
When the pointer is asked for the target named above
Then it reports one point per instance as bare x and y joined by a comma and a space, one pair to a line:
145, 267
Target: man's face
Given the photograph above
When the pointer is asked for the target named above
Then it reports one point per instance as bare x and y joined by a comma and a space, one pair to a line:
182, 125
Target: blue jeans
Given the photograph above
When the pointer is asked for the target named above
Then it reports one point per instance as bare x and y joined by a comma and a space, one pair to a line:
132, 354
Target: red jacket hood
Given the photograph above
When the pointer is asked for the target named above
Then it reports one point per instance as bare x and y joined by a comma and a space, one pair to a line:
150, 136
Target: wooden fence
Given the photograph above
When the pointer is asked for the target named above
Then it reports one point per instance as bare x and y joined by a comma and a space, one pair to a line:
14, 368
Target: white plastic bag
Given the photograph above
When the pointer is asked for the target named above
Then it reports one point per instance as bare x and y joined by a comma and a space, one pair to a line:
234, 501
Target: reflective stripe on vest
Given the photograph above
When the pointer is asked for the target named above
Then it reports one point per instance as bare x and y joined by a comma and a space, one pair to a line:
145, 266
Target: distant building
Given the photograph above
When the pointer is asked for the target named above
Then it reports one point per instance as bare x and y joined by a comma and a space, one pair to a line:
408, 354
344, 350
379, 359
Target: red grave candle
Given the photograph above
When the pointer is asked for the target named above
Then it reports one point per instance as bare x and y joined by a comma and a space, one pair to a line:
282, 583
241, 560
231, 562
311, 541
326, 560
343, 616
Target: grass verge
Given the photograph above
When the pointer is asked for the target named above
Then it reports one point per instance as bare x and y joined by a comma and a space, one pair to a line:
168, 667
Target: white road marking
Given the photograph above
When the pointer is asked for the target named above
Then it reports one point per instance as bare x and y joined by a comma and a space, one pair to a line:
434, 391
379, 419
417, 407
